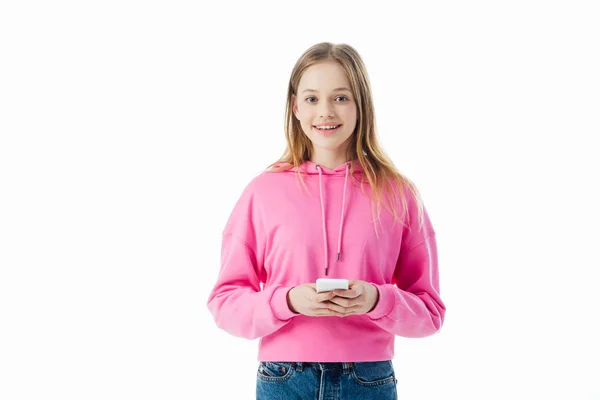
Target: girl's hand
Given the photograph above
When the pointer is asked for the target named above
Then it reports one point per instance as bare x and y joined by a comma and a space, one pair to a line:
360, 298
304, 299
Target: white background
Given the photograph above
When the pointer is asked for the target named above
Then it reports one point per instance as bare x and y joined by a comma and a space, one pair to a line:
129, 129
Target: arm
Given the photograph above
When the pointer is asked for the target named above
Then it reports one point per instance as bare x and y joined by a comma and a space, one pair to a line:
236, 302
411, 305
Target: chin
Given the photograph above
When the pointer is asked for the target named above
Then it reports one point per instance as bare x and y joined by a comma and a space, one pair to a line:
328, 145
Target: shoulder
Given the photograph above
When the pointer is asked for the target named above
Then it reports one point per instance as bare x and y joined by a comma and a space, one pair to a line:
406, 199
264, 183
405, 187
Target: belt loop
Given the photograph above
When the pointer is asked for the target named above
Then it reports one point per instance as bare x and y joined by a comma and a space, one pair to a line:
347, 367
299, 366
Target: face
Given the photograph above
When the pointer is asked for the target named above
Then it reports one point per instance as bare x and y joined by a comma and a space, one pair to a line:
321, 101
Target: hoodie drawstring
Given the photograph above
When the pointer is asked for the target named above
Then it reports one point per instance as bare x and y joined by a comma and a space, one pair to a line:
339, 244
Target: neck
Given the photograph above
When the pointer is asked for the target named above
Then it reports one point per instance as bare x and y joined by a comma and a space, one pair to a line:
329, 159
330, 163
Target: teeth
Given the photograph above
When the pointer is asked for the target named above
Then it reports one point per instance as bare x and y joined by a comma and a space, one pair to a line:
327, 127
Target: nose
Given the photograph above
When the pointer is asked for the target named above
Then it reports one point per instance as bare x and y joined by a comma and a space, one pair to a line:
326, 109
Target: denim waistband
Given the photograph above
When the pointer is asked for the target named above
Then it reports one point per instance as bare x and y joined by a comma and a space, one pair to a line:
345, 366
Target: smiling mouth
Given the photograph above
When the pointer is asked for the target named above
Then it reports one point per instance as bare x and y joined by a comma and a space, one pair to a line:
328, 131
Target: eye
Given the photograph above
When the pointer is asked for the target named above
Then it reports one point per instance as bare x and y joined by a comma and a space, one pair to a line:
312, 97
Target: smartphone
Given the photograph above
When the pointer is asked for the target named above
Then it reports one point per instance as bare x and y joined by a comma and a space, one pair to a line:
328, 284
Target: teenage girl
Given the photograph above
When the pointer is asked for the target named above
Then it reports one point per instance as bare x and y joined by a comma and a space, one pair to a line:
333, 206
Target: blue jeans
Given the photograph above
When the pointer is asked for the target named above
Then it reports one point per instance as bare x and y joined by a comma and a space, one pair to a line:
316, 381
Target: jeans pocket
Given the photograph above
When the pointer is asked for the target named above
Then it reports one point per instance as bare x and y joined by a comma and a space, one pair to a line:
272, 371
373, 373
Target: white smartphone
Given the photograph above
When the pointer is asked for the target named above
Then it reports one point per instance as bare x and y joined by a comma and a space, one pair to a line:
328, 284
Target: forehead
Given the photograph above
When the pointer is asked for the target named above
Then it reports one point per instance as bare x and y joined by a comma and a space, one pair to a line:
324, 76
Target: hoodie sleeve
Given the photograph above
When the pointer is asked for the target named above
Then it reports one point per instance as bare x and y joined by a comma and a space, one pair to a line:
236, 302
411, 305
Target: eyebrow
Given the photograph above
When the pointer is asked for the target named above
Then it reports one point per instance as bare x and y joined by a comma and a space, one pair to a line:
335, 90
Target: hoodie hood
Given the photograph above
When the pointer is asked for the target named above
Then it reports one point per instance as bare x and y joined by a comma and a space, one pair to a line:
311, 168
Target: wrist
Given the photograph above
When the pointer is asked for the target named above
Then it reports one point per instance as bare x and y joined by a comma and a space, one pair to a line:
289, 302
376, 295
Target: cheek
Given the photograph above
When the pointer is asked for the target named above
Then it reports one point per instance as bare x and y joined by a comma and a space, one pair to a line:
307, 121
350, 116
304, 117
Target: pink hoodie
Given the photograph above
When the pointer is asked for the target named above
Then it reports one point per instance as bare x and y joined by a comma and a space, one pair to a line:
281, 236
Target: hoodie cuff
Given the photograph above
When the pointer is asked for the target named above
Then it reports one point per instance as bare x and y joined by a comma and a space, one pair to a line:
385, 303
279, 304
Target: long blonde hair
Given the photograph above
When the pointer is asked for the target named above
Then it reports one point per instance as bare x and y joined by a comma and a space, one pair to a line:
364, 146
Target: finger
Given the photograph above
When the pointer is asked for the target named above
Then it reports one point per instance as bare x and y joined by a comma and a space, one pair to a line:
327, 313
339, 301
336, 308
357, 285
320, 306
349, 294
321, 297
354, 284
345, 302
324, 304
358, 309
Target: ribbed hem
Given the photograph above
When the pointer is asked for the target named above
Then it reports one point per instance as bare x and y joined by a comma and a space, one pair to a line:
385, 304
279, 304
